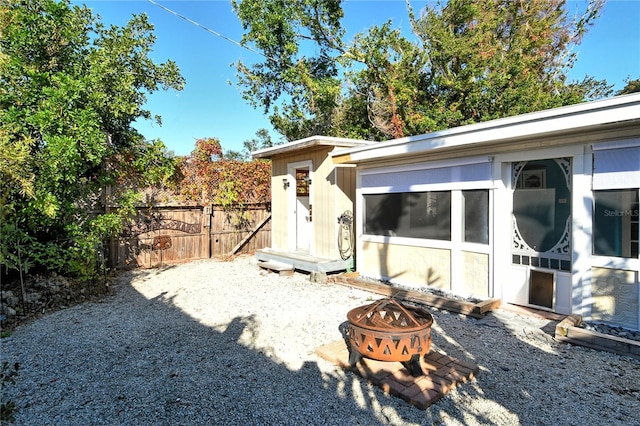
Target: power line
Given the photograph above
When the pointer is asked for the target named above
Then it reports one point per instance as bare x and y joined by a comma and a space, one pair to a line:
209, 30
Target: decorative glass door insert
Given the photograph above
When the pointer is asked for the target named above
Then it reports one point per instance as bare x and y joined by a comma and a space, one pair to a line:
541, 223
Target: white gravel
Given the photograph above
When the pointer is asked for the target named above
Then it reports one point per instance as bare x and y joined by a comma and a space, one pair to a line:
223, 343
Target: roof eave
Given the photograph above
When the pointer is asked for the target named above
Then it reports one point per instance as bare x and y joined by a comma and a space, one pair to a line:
538, 124
306, 143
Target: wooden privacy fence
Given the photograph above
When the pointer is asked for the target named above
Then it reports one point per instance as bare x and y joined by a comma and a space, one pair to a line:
165, 235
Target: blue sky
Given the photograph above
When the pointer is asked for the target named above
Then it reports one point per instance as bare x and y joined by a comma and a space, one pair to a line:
211, 104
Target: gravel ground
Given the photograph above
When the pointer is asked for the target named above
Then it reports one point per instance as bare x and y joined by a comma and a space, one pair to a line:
223, 343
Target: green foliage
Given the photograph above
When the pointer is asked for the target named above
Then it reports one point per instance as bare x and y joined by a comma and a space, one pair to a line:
15, 176
261, 141
69, 93
8, 376
208, 177
229, 196
632, 86
467, 61
13, 250
389, 86
297, 89
489, 59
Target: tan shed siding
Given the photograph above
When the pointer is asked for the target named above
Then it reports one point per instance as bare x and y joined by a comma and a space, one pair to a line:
332, 193
345, 194
345, 188
323, 201
408, 265
278, 204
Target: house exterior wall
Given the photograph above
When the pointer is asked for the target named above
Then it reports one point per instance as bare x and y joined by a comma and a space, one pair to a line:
452, 263
282, 208
600, 288
323, 198
408, 265
476, 270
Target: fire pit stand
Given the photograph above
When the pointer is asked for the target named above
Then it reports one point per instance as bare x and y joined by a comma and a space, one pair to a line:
387, 330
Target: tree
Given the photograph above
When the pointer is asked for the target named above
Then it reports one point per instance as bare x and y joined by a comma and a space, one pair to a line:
70, 90
298, 90
261, 141
466, 61
494, 58
209, 177
632, 86
390, 85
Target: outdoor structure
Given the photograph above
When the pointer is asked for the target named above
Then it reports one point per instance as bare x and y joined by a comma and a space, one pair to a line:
312, 205
539, 210
171, 233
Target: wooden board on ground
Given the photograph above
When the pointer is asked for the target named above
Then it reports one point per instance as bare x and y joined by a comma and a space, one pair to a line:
476, 310
569, 332
281, 268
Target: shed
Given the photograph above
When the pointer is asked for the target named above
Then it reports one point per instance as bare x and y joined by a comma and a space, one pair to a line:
539, 210
312, 205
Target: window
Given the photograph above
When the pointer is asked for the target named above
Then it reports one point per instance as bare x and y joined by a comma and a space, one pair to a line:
615, 164
302, 182
476, 216
615, 223
409, 214
542, 207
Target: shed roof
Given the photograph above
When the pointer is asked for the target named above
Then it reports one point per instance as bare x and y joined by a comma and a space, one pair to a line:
306, 143
619, 111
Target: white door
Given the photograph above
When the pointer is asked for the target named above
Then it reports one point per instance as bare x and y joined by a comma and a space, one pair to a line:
300, 221
303, 224
541, 233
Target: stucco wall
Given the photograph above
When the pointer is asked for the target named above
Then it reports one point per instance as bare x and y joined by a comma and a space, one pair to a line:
413, 266
614, 293
476, 273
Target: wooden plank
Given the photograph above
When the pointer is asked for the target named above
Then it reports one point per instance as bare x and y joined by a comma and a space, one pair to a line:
466, 308
487, 306
600, 339
631, 351
568, 332
251, 234
563, 327
281, 268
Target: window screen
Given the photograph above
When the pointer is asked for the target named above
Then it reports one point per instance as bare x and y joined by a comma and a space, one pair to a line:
409, 214
476, 216
616, 168
615, 223
468, 175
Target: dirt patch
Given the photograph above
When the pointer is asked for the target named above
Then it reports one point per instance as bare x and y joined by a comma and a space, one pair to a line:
45, 294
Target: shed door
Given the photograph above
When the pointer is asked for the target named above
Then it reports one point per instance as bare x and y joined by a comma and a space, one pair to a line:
303, 211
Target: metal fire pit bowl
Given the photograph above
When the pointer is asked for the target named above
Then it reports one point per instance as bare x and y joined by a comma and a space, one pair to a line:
386, 330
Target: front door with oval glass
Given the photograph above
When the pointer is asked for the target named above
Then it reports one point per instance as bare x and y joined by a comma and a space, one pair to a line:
541, 228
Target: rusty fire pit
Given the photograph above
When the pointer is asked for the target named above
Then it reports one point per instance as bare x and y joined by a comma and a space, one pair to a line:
389, 331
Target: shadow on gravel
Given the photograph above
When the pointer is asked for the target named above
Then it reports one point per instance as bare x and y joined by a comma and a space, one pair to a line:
165, 368
527, 378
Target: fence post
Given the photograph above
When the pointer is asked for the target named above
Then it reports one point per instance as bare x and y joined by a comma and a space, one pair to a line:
207, 212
